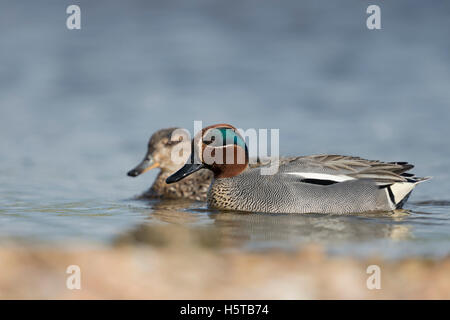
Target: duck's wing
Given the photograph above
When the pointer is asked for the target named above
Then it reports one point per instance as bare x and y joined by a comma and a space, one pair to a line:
329, 169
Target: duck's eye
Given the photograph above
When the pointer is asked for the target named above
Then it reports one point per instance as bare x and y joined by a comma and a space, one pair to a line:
171, 142
213, 138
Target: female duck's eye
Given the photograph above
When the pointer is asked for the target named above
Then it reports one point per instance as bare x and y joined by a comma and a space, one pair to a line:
172, 142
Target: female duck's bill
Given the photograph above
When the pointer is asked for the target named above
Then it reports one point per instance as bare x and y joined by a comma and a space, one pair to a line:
145, 165
219, 148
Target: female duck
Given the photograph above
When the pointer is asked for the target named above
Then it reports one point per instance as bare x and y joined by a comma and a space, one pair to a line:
160, 148
318, 183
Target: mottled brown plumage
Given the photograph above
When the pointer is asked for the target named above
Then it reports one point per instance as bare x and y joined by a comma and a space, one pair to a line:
194, 187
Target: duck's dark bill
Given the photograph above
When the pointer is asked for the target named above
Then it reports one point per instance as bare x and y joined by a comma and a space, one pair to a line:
186, 170
145, 165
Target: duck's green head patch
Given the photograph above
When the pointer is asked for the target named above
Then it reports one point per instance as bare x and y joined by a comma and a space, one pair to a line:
230, 136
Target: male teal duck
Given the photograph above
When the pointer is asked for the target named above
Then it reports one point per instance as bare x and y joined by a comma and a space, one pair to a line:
159, 150
307, 184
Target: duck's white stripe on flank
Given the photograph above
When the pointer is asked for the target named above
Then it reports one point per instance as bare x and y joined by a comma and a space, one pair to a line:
321, 176
391, 204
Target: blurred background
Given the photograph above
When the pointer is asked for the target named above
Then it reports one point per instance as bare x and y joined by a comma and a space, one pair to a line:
78, 106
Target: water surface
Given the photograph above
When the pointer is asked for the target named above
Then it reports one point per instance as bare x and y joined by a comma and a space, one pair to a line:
77, 108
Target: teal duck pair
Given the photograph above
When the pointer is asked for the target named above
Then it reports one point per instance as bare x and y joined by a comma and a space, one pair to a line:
307, 184
158, 156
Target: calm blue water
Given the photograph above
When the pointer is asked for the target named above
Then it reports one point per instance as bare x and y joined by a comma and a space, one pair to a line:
77, 109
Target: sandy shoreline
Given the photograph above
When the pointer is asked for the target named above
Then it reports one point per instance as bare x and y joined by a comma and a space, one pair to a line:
183, 269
